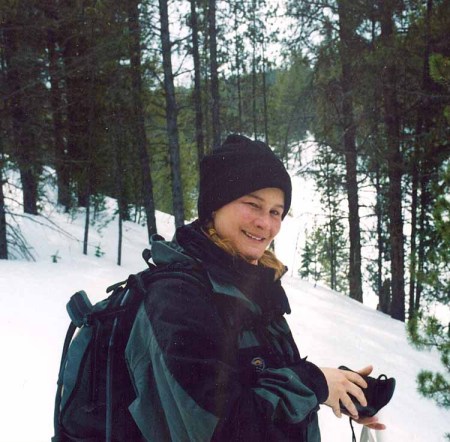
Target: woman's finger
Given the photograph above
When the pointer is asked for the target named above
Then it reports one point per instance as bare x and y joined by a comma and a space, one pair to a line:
355, 378
376, 426
371, 422
365, 371
358, 394
337, 412
350, 406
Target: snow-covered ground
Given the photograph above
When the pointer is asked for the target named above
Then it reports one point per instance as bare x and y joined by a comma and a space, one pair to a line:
329, 327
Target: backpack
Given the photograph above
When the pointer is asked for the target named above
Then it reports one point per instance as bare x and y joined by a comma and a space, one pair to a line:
94, 386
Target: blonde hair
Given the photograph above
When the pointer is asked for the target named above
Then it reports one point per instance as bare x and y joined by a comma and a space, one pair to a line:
268, 259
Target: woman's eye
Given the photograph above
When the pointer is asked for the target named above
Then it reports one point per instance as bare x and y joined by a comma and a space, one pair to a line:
276, 213
252, 204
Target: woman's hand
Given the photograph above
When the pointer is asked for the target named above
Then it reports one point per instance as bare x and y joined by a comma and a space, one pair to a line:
371, 422
342, 383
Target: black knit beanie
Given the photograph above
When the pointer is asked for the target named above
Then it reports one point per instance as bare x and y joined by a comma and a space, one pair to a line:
239, 167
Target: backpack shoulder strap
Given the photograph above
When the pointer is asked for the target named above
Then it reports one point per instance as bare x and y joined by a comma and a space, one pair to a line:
67, 340
189, 273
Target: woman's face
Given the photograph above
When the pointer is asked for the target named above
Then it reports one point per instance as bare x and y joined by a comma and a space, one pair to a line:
251, 222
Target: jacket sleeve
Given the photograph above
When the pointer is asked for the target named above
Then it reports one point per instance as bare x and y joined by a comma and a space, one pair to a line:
188, 387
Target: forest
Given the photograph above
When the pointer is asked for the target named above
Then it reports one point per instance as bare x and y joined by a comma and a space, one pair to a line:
123, 99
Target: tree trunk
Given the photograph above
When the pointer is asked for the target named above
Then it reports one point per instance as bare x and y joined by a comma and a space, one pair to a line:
379, 215
332, 253
138, 111
199, 137
355, 277
254, 115
265, 105
346, 33
419, 178
238, 44
171, 117
394, 160
3, 226
119, 145
396, 236
120, 206
423, 229
3, 237
383, 287
414, 207
215, 96
86, 225
206, 99
119, 245
385, 297
29, 187
79, 103
26, 149
56, 102
332, 256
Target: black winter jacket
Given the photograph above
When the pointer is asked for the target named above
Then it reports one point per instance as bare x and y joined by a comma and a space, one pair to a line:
212, 357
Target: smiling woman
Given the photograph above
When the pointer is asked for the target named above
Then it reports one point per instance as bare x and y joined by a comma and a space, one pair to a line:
211, 355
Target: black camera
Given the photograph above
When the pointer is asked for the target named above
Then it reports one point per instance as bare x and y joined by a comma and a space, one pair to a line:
378, 393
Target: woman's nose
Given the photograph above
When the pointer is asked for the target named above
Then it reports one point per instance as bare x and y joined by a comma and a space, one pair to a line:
263, 221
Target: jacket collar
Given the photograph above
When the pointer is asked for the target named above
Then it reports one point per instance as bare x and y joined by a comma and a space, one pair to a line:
254, 286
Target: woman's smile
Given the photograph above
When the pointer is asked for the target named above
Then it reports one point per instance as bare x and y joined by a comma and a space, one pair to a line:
257, 238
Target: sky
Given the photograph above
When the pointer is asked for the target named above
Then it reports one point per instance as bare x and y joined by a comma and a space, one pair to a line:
330, 328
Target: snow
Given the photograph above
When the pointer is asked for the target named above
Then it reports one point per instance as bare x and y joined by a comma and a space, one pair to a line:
330, 328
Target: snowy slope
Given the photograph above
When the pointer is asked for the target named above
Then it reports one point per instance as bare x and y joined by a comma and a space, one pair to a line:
330, 328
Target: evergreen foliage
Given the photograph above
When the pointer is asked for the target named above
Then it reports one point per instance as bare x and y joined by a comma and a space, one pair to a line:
426, 330
396, 116
326, 250
310, 257
82, 90
324, 256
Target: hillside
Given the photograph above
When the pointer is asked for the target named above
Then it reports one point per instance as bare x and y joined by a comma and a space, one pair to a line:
329, 327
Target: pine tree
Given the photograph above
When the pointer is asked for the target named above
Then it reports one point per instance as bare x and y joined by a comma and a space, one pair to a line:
426, 330
197, 92
140, 136
171, 116
290, 104
214, 66
328, 236
394, 157
309, 259
57, 103
336, 85
348, 51
23, 43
